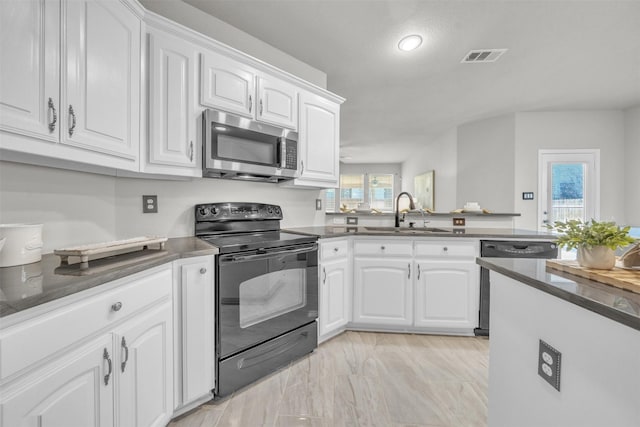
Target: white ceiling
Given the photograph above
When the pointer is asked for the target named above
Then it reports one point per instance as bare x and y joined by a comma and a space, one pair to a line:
562, 55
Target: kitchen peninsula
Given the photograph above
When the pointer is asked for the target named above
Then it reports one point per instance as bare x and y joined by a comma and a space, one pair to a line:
595, 327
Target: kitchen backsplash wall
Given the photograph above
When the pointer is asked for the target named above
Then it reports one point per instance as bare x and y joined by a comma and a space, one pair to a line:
78, 208
75, 207
176, 200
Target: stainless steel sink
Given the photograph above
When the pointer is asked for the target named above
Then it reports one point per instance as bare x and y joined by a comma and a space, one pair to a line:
415, 230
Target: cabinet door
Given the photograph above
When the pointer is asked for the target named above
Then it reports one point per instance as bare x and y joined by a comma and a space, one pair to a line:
227, 85
382, 292
101, 78
29, 66
172, 76
145, 368
334, 296
319, 139
195, 326
446, 294
278, 102
68, 392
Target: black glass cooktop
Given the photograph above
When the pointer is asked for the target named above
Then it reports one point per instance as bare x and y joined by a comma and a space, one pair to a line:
240, 242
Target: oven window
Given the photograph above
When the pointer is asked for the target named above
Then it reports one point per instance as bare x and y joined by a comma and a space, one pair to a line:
245, 150
271, 295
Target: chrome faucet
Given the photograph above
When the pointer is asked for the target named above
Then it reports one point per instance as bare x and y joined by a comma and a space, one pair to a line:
412, 206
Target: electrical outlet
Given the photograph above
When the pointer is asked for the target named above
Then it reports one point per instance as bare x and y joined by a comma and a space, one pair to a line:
458, 221
318, 204
150, 204
549, 364
528, 195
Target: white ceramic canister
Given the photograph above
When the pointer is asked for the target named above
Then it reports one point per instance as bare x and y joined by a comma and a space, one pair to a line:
23, 244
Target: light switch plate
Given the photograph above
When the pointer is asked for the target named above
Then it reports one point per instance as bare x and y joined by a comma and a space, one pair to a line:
352, 220
527, 195
318, 204
150, 204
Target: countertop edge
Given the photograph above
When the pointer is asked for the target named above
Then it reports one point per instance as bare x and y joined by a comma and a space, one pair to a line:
599, 308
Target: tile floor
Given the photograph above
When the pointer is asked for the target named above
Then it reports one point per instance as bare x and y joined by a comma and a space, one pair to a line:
365, 379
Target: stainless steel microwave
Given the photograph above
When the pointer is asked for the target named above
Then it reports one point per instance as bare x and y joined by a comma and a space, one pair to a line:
236, 147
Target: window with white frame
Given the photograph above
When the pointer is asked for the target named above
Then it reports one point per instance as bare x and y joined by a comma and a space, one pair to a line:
356, 190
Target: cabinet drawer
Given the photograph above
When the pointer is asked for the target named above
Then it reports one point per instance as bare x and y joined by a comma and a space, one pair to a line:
36, 339
335, 249
447, 249
383, 247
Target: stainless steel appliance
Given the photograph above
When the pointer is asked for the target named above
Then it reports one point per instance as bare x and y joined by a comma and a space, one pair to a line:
266, 291
506, 249
236, 147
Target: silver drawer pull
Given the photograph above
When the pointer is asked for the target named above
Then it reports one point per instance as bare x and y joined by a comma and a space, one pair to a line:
335, 249
117, 306
203, 270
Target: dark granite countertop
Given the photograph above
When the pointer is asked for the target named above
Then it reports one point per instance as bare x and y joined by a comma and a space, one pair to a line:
325, 232
617, 304
29, 285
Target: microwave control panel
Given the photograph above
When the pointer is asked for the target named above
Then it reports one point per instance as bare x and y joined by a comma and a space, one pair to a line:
290, 154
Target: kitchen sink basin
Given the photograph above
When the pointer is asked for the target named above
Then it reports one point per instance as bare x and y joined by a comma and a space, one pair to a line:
416, 230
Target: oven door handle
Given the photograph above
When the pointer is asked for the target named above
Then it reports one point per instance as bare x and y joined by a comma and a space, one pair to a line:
238, 258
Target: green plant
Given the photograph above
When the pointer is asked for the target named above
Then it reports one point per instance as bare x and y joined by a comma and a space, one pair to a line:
575, 233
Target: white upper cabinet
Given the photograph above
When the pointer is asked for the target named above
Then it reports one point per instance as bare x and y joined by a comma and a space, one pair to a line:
233, 86
227, 85
172, 139
277, 102
101, 78
71, 76
30, 68
319, 142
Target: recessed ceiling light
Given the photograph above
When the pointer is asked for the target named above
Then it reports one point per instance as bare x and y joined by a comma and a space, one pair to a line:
410, 42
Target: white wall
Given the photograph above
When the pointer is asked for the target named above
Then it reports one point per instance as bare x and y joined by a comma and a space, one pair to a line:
194, 18
176, 201
485, 163
438, 155
632, 165
602, 130
75, 207
79, 208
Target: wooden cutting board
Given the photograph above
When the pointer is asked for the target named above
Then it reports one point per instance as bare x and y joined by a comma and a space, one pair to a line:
618, 277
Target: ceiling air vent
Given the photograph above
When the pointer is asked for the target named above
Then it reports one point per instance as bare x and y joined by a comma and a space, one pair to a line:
483, 55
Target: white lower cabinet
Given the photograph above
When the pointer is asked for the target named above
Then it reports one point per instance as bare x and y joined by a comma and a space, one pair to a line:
383, 292
96, 360
144, 348
194, 318
446, 294
335, 288
69, 392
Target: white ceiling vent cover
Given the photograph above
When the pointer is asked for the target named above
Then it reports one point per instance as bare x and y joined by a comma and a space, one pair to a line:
483, 55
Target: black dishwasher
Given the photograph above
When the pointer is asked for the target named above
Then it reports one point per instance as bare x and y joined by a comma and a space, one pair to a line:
506, 249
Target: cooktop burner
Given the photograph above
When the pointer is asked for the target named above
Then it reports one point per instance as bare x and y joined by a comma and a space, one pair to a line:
239, 227
240, 242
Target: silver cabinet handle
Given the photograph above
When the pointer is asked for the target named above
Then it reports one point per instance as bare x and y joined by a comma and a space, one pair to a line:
72, 114
250, 103
335, 249
105, 356
191, 151
123, 345
409, 267
54, 119
117, 306
261, 107
418, 271
324, 272
203, 270
301, 167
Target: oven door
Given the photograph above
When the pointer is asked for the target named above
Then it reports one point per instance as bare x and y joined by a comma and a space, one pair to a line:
264, 294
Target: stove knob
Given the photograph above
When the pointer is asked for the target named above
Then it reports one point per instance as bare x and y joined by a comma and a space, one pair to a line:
214, 211
277, 210
203, 211
270, 210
